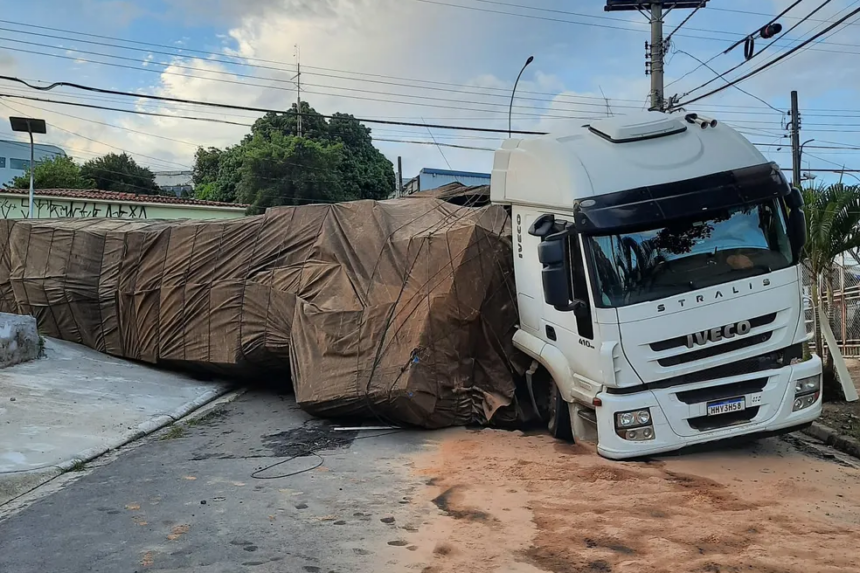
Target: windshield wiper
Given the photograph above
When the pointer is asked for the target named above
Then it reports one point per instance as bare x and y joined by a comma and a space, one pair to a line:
755, 270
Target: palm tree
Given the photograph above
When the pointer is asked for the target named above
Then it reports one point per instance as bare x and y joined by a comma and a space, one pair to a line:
832, 228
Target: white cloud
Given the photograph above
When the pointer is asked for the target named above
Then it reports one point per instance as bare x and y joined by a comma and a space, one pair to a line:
479, 54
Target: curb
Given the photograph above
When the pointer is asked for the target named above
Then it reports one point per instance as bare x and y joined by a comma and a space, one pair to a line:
832, 438
145, 428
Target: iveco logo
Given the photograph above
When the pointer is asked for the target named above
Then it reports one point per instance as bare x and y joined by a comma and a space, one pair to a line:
519, 236
716, 334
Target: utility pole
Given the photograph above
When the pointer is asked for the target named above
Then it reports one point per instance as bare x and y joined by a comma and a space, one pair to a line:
795, 141
655, 52
399, 177
298, 92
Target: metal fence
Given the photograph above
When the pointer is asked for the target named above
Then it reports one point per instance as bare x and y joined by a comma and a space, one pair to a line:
841, 302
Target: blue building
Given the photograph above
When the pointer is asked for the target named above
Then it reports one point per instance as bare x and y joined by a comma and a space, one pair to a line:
434, 178
15, 157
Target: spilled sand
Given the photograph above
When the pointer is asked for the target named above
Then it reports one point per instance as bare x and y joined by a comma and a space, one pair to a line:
505, 502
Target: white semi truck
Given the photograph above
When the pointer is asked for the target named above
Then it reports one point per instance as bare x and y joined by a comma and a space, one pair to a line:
658, 282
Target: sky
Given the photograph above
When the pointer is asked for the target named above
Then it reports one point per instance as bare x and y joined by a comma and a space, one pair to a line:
449, 62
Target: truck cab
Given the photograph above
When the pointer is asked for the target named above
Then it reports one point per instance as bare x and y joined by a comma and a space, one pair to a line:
657, 264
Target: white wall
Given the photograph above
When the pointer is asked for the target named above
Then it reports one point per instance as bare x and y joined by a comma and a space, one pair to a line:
15, 157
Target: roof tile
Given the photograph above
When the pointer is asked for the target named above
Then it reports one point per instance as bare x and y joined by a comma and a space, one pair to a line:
97, 195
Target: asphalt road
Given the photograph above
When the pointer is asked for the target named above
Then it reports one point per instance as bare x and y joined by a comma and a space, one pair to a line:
196, 500
234, 492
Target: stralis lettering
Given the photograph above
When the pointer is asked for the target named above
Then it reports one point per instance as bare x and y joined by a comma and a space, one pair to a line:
716, 295
717, 334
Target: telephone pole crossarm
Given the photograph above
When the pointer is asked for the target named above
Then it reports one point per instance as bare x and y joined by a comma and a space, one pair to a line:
656, 51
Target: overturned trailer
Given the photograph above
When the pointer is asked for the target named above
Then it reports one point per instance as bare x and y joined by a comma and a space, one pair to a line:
399, 310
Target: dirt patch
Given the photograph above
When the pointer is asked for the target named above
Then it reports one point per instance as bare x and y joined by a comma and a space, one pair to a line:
766, 508
844, 417
446, 503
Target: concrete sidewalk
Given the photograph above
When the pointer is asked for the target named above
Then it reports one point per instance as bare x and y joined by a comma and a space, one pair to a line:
75, 404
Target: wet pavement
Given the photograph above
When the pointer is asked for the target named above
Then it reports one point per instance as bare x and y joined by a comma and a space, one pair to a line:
232, 491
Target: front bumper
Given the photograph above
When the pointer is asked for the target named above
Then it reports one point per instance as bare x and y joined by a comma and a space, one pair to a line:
670, 415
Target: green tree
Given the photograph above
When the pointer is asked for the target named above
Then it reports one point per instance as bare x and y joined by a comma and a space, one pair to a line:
59, 172
342, 155
287, 170
832, 228
367, 173
119, 172
206, 164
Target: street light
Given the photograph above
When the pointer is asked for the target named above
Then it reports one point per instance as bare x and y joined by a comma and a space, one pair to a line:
850, 175
801, 147
31, 126
511, 108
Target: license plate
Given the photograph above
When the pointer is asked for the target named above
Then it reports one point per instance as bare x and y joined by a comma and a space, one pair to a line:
726, 406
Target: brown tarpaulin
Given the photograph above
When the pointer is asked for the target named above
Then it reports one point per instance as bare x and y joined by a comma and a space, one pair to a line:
399, 310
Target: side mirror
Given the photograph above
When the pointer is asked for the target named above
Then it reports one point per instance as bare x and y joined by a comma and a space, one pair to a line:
552, 253
543, 226
794, 200
796, 232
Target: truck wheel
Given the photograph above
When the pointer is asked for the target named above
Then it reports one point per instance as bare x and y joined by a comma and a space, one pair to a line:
559, 416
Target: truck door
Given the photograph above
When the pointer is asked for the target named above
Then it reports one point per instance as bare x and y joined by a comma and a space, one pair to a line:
573, 331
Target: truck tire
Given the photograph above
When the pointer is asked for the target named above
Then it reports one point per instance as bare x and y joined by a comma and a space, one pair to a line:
559, 416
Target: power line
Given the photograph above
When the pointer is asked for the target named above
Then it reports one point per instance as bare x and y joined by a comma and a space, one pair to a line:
131, 111
767, 65
808, 146
130, 130
397, 84
755, 110
103, 143
438, 144
750, 13
828, 34
243, 108
435, 144
710, 9
772, 20
826, 170
684, 21
358, 90
752, 95
504, 91
489, 104
627, 29
762, 50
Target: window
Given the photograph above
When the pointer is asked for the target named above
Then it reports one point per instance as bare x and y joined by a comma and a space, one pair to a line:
689, 254
2, 163
584, 325
19, 164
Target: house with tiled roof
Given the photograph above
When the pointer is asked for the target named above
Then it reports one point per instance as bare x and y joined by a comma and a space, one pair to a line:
64, 203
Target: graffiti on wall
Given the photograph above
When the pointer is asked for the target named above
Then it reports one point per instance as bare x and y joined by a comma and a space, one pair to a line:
63, 208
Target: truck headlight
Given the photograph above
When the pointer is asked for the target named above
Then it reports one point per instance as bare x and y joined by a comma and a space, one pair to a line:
806, 392
807, 385
634, 425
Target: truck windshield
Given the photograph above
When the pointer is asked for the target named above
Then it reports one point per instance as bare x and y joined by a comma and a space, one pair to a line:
688, 254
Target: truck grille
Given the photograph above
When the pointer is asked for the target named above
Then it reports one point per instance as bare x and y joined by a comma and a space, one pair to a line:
685, 355
679, 341
715, 350
720, 392
769, 361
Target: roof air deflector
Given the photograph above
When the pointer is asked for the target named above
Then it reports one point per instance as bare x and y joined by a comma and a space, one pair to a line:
640, 127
